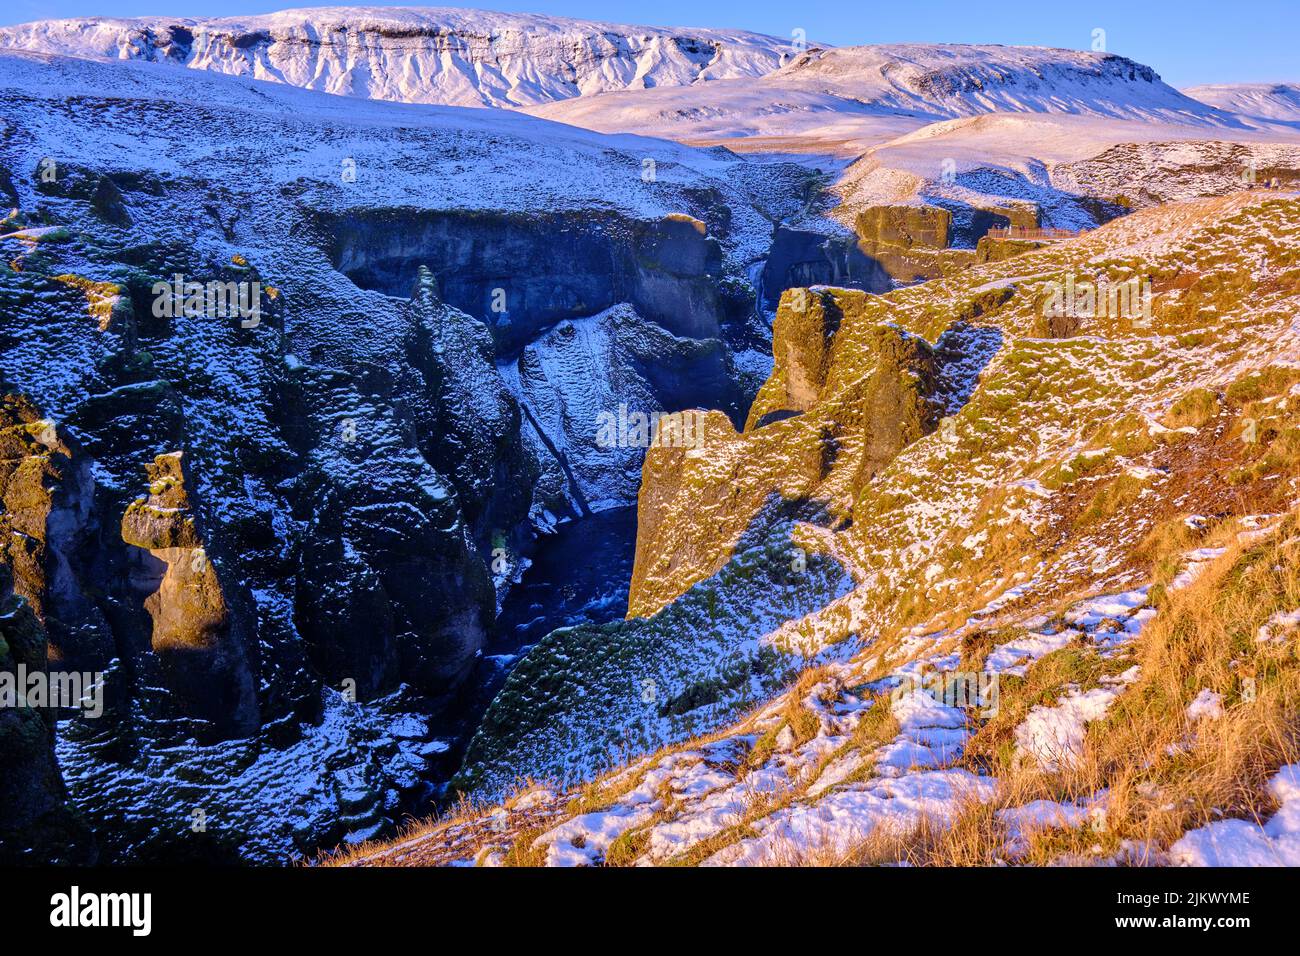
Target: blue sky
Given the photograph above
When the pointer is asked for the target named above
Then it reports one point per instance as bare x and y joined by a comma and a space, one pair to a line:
1191, 42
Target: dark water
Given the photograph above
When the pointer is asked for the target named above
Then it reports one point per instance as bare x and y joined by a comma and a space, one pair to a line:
581, 574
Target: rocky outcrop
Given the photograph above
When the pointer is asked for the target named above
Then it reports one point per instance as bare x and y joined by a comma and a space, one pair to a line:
886, 384
899, 403
906, 226
995, 250
29, 474
914, 243
46, 526
107, 203
390, 584
803, 337
667, 547
206, 655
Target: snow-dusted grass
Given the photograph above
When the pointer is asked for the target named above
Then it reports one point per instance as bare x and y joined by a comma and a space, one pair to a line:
834, 773
1245, 843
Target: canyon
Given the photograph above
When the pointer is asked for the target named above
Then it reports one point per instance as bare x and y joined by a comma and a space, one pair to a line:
370, 553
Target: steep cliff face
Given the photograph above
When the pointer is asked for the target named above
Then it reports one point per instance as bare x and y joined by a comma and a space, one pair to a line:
800, 258
591, 391
803, 340
522, 273
913, 243
37, 823
906, 226
900, 401
47, 521
468, 425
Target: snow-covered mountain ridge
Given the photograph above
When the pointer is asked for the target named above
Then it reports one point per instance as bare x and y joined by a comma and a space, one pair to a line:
468, 57
419, 54
1272, 101
948, 80
871, 93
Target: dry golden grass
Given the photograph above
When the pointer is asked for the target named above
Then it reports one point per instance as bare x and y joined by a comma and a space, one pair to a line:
1165, 775
958, 842
466, 825
802, 722
756, 806
1194, 409
1162, 775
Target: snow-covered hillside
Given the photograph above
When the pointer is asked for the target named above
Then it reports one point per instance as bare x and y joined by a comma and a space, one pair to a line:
419, 54
1273, 101
865, 95
428, 157
1049, 161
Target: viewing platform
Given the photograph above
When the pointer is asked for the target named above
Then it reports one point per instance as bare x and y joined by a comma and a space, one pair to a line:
1036, 235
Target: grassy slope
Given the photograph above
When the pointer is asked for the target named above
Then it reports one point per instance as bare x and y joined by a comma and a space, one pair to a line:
1072, 471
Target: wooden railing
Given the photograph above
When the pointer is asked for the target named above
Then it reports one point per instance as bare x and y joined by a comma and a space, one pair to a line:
1026, 232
